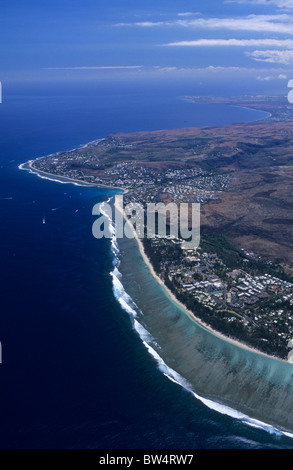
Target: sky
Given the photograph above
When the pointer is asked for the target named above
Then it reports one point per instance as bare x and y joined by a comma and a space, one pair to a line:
204, 42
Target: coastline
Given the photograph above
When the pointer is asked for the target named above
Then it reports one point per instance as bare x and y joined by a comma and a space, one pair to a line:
85, 183
65, 178
189, 312
147, 261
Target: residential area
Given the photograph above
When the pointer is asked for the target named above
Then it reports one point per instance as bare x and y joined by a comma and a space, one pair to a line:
250, 303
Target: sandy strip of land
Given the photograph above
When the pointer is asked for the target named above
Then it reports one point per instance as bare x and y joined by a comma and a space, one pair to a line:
73, 180
189, 312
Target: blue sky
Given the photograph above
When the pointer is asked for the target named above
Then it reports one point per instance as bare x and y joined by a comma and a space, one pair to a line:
98, 40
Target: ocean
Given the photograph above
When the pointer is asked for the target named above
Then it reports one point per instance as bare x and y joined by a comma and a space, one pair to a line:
79, 368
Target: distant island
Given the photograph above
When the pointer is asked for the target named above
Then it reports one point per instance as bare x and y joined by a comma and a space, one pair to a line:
240, 280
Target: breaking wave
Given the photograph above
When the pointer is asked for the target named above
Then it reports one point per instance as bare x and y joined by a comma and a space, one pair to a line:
26, 167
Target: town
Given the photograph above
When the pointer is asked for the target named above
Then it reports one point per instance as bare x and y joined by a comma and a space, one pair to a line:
247, 303
142, 183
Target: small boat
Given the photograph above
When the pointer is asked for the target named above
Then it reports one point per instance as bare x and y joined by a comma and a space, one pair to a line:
44, 220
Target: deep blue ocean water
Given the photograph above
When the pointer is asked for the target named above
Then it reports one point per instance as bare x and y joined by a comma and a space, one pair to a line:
75, 374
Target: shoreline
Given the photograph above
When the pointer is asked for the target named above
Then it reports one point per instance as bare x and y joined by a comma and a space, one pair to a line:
66, 178
81, 182
85, 183
241, 106
147, 261
188, 312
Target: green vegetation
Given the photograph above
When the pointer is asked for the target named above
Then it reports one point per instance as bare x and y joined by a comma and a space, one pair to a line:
233, 258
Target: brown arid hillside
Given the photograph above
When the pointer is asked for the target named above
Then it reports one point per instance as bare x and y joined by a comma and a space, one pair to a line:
254, 210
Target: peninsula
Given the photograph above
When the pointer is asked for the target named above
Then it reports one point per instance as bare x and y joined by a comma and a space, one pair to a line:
240, 280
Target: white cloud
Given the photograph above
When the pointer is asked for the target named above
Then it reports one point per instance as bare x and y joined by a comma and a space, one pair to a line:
260, 23
272, 56
283, 4
187, 13
146, 24
287, 43
268, 78
280, 24
210, 68
167, 69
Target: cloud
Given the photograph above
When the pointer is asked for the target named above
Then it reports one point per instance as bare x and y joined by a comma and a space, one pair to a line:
210, 69
280, 24
272, 56
146, 24
167, 69
187, 13
261, 23
268, 78
287, 43
283, 4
